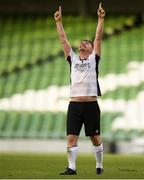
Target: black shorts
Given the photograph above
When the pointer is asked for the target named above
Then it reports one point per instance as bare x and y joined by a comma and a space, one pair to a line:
87, 113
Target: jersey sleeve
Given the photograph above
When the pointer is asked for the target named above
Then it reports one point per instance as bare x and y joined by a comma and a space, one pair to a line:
71, 56
94, 56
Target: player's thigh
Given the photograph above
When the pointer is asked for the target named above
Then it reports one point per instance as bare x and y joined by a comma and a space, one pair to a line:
92, 119
74, 120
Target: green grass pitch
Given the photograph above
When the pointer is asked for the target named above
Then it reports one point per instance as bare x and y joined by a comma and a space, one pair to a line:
48, 166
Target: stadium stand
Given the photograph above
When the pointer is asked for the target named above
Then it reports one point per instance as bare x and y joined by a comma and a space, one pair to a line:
32, 71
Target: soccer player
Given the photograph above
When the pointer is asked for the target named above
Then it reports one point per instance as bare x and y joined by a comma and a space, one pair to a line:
84, 91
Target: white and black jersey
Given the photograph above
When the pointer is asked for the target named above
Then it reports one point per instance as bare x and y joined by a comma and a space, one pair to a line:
84, 75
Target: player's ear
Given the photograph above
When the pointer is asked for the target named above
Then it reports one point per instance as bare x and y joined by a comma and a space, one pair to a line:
91, 50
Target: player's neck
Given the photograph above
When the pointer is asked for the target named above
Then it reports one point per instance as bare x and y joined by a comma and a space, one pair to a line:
83, 54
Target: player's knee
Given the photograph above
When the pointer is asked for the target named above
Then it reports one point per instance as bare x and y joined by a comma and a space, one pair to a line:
72, 140
96, 140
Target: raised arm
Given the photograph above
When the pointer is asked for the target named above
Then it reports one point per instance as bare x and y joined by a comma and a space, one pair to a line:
61, 32
99, 30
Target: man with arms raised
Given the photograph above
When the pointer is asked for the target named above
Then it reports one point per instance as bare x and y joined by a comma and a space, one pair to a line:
84, 91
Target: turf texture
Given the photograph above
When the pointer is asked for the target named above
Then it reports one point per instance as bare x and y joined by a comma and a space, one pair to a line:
48, 166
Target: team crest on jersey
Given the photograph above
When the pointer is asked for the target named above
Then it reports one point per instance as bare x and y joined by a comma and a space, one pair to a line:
82, 67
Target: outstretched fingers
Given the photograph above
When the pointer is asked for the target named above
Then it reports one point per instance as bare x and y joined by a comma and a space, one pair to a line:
101, 11
100, 5
57, 14
60, 10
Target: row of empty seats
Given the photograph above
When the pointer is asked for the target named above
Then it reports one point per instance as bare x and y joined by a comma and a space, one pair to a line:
45, 125
37, 125
26, 39
31, 125
117, 52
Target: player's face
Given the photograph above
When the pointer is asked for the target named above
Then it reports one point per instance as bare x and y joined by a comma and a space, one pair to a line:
85, 46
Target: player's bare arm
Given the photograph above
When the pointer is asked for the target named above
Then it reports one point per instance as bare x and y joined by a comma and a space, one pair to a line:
99, 30
61, 32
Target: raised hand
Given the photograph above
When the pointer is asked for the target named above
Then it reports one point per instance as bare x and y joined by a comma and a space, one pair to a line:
58, 14
101, 11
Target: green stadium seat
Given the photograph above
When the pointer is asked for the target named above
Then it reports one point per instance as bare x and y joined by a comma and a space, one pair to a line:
46, 127
133, 133
33, 131
59, 126
120, 134
10, 124
22, 125
2, 122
